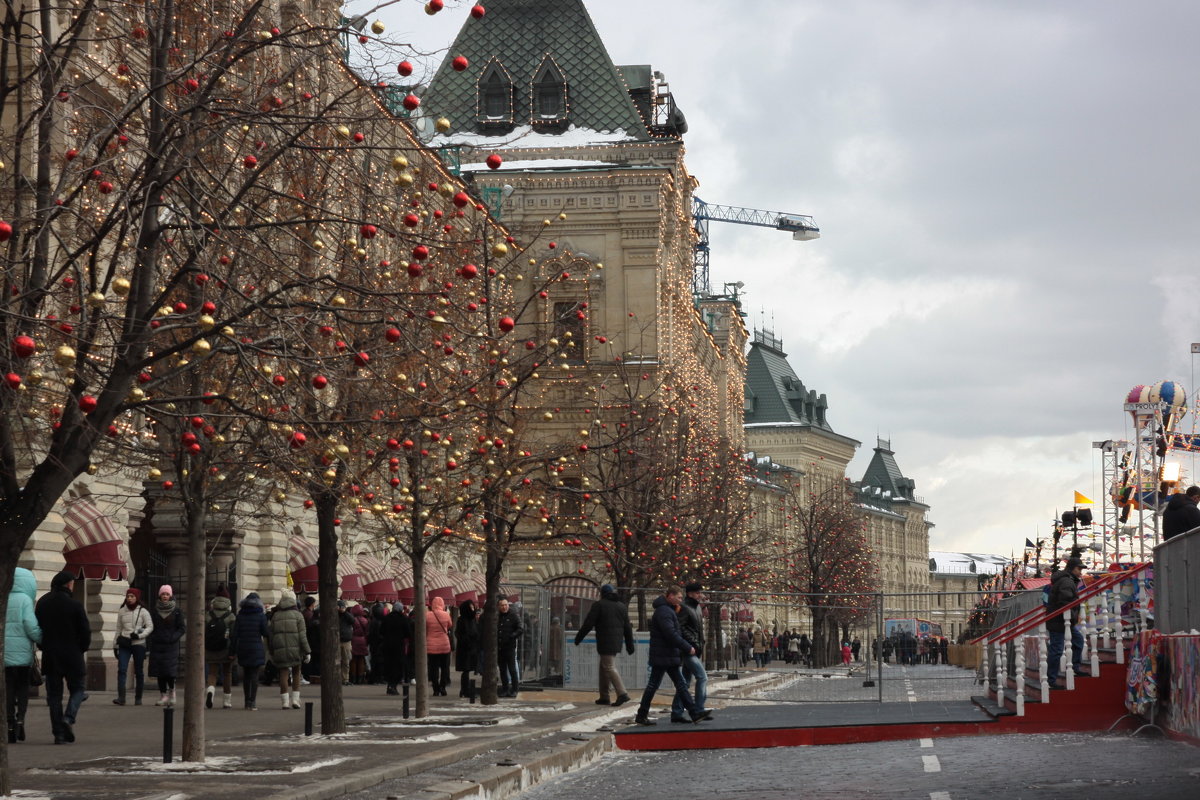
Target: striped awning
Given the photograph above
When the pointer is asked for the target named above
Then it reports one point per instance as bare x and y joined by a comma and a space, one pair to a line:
574, 587
349, 580
438, 584
464, 586
302, 561
94, 548
378, 584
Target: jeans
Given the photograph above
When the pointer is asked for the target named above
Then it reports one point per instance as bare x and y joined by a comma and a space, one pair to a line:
250, 685
124, 654
692, 667
676, 676
16, 681
1054, 651
54, 699
510, 676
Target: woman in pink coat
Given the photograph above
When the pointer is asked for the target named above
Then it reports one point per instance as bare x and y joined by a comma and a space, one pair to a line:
437, 645
846, 653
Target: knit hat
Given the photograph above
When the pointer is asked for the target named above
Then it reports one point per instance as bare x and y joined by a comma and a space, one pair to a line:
693, 587
222, 591
607, 589
166, 589
136, 592
61, 579
1073, 563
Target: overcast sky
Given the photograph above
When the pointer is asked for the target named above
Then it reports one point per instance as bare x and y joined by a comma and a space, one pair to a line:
1009, 205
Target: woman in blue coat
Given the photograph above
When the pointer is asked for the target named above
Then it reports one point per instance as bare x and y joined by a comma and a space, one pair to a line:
21, 633
246, 644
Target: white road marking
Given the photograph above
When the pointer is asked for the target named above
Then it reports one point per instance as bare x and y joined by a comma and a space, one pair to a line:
939, 796
927, 743
931, 764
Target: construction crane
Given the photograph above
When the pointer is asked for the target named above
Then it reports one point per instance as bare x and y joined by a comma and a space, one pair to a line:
802, 226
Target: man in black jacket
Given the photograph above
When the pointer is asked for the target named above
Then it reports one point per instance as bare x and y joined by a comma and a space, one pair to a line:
667, 645
691, 625
610, 618
66, 636
1063, 591
508, 631
1181, 515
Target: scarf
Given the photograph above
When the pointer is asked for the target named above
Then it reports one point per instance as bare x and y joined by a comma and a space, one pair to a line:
165, 609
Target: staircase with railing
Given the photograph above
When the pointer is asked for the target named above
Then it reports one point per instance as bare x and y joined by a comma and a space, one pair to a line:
1112, 610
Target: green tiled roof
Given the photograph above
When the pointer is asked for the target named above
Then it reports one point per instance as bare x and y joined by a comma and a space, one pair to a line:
519, 34
884, 473
774, 395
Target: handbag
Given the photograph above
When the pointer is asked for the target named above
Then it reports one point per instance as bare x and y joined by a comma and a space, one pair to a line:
450, 636
35, 672
125, 641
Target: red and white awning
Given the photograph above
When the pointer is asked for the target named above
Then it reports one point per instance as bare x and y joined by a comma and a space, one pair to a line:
302, 561
464, 586
94, 548
378, 584
349, 580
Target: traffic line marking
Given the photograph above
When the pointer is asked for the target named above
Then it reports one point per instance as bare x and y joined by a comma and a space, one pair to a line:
939, 796
931, 764
927, 743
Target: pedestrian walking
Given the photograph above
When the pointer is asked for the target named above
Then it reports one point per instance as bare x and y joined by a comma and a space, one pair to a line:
610, 619
762, 643
397, 633
218, 621
345, 640
1063, 592
21, 633
438, 646
163, 644
855, 648
246, 645
667, 645
509, 630
66, 637
805, 649
745, 641
375, 643
312, 629
466, 647
846, 653
287, 643
691, 626
134, 624
359, 649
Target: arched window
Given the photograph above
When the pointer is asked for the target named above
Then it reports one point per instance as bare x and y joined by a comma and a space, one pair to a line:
550, 95
495, 96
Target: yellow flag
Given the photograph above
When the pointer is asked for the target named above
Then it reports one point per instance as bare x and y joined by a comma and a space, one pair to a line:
1081, 500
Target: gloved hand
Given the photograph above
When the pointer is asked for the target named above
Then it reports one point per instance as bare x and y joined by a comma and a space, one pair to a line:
629, 650
307, 658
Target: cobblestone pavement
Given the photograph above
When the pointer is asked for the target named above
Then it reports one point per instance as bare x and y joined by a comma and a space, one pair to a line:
897, 683
1015, 767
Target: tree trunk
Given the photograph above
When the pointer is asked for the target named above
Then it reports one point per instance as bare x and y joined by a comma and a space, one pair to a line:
197, 573
333, 711
490, 677
420, 640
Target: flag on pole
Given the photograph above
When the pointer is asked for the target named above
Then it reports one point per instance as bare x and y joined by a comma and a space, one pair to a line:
1029, 543
1082, 500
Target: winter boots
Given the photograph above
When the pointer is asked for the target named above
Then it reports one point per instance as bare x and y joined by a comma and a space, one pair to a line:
295, 699
162, 700
228, 700
209, 692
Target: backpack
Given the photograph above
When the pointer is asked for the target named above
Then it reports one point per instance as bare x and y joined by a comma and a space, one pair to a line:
216, 633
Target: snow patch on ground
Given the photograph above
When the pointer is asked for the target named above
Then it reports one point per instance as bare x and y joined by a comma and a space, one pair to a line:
221, 765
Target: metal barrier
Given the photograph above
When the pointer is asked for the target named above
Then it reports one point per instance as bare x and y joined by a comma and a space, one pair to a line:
1177, 583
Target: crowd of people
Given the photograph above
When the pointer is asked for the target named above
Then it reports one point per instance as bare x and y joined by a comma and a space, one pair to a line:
254, 645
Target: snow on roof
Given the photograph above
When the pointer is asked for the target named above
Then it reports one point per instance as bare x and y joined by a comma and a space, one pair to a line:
977, 563
525, 137
543, 163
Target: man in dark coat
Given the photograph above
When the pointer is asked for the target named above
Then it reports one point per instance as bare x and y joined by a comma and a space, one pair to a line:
1063, 591
691, 625
1182, 514
508, 631
66, 637
666, 646
397, 632
610, 618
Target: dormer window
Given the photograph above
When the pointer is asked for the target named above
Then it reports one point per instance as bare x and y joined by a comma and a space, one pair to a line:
549, 96
495, 96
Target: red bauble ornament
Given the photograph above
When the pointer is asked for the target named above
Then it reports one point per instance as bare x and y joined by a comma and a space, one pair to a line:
434, 6
105, 187
460, 63
405, 68
412, 102
13, 380
279, 380
392, 335
359, 138
462, 199
23, 346
420, 252
298, 440
412, 220
87, 404
415, 270
5, 231
320, 381
308, 503
168, 485
362, 359
477, 11
507, 324
249, 162
494, 161
469, 271
139, 33
368, 231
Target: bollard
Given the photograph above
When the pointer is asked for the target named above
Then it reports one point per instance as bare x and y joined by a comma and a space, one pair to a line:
471, 690
168, 733
308, 716
405, 702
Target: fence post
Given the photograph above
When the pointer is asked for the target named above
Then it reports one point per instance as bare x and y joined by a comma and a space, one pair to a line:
168, 734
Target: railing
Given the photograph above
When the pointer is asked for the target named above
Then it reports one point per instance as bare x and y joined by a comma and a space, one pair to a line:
1101, 615
1177, 583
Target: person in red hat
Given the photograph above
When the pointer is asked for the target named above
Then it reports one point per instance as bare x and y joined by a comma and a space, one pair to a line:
134, 624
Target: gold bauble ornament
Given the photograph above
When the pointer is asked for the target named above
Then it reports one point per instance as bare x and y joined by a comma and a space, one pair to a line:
96, 299
342, 131
499, 250
377, 27
201, 346
399, 163
442, 125
64, 356
121, 286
